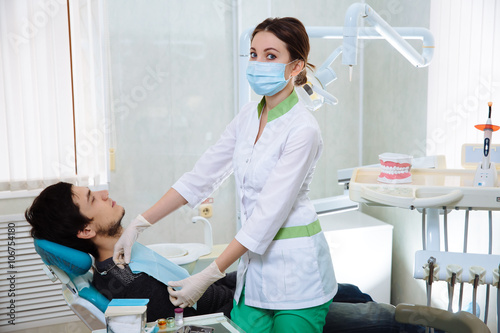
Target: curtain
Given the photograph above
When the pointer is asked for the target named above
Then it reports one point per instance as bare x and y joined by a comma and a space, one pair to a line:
464, 75
53, 98
92, 90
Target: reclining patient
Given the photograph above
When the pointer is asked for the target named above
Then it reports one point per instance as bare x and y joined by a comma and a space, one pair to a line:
91, 222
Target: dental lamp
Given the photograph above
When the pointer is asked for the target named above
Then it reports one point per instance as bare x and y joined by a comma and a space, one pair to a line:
350, 37
314, 94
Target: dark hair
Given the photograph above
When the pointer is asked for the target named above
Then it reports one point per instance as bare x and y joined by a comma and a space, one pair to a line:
55, 217
293, 33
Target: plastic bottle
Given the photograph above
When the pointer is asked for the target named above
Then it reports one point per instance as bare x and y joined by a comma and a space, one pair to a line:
179, 316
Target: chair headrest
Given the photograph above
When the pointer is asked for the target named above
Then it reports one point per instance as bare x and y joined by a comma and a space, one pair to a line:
71, 261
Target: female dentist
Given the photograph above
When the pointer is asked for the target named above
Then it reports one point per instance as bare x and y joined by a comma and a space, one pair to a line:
285, 280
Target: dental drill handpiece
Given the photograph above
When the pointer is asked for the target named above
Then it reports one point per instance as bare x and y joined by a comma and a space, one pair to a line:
451, 290
498, 303
431, 261
474, 293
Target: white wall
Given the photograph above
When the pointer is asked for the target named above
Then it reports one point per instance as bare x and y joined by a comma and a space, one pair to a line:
160, 134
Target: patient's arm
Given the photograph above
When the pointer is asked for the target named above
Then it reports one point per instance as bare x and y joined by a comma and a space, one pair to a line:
122, 283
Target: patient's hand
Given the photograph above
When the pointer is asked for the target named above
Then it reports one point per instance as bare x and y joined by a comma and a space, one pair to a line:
194, 286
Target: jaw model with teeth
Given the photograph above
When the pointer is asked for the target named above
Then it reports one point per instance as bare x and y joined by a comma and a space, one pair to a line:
395, 168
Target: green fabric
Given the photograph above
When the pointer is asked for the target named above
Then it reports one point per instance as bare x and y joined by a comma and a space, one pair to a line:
286, 105
256, 320
299, 231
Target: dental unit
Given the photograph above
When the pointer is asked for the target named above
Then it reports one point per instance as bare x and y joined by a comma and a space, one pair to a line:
435, 192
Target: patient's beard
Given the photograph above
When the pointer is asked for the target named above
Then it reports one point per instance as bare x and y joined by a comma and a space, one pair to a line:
114, 230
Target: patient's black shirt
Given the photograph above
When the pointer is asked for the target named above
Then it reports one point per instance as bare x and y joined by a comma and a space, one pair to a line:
122, 283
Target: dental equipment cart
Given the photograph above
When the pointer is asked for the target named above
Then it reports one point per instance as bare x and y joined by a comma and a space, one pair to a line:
436, 192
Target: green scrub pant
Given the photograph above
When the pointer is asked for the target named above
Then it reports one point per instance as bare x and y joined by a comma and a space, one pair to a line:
256, 320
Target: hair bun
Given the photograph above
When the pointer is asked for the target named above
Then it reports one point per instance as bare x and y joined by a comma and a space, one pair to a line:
301, 78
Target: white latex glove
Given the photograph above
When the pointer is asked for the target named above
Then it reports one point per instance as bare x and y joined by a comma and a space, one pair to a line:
194, 286
123, 247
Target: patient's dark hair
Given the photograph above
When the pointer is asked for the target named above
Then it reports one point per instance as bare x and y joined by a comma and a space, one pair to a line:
55, 217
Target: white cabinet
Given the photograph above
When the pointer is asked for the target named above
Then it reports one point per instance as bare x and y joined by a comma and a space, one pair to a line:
361, 250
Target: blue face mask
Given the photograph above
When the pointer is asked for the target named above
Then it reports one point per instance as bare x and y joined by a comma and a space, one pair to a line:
267, 78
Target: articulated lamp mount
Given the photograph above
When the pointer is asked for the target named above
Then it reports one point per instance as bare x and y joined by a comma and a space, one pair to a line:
313, 93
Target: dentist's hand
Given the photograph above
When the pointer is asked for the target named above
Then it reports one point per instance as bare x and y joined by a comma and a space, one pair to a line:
123, 247
194, 286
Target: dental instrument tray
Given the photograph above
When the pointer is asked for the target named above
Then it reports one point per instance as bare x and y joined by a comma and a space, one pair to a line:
430, 188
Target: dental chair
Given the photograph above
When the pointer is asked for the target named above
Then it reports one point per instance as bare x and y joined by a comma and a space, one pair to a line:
71, 267
460, 322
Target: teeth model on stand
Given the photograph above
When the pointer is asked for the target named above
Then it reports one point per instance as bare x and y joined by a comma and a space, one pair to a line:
395, 168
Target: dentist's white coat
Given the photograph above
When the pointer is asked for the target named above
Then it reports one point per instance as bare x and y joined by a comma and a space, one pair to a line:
272, 177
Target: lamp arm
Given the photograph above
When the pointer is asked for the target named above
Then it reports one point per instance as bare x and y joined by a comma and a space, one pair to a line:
351, 36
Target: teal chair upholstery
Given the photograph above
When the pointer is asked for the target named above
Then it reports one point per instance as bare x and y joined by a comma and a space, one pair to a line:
72, 268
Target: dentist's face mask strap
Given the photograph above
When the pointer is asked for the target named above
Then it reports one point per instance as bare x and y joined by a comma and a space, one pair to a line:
267, 78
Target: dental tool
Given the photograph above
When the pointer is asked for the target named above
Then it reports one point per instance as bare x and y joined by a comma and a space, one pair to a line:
431, 274
476, 277
497, 284
424, 243
486, 173
454, 275
451, 291
490, 251
445, 228
432, 269
466, 232
474, 293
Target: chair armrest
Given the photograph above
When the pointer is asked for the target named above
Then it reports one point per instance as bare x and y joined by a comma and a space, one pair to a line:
92, 295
